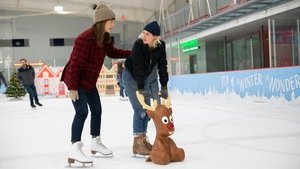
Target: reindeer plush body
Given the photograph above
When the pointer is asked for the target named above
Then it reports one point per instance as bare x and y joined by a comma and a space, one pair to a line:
164, 149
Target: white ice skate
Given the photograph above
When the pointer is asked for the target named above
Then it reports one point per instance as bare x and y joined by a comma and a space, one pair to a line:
98, 147
76, 154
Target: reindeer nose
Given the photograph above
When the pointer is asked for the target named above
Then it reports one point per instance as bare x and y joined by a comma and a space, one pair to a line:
170, 126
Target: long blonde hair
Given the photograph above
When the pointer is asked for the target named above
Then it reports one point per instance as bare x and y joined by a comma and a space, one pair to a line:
102, 37
155, 43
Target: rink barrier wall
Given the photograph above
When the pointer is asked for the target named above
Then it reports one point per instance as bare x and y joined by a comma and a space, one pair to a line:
267, 83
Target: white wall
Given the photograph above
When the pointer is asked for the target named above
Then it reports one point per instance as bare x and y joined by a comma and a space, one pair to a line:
39, 29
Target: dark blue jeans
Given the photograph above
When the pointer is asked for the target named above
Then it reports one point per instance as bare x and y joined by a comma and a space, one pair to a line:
86, 99
31, 89
153, 84
122, 90
140, 117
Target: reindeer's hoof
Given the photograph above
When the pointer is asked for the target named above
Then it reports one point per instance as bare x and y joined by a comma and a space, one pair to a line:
148, 159
181, 154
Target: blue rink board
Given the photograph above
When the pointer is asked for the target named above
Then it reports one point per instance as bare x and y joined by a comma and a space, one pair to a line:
277, 82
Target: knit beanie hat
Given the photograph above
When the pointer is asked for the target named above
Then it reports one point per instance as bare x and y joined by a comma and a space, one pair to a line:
102, 13
153, 28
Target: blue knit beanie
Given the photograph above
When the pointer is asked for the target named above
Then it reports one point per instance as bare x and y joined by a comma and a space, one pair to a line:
153, 28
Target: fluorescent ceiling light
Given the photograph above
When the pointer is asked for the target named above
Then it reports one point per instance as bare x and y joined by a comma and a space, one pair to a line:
58, 8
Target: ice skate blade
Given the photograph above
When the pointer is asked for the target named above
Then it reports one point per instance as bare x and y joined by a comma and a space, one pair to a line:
90, 165
100, 155
83, 164
140, 156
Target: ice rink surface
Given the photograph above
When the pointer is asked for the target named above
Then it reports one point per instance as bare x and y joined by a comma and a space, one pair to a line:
216, 133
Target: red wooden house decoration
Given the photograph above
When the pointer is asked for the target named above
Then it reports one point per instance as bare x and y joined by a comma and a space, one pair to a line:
45, 81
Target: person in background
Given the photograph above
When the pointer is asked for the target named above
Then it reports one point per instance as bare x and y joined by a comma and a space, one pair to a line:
80, 75
148, 56
123, 93
26, 75
2, 78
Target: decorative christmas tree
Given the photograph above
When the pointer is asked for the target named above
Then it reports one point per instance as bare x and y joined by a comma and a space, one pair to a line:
15, 88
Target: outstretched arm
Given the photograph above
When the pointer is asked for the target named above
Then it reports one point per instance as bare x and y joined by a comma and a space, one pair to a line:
113, 52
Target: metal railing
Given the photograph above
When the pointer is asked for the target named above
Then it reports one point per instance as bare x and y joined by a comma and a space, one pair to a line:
195, 12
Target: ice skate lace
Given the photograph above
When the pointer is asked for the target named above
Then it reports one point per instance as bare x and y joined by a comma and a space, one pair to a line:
80, 145
102, 145
146, 139
98, 141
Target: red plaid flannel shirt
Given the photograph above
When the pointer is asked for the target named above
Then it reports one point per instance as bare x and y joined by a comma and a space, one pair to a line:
86, 60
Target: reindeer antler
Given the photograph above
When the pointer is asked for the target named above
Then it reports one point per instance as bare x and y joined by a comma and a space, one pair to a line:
167, 102
141, 99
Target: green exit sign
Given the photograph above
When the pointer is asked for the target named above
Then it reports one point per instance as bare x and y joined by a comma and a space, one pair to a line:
190, 45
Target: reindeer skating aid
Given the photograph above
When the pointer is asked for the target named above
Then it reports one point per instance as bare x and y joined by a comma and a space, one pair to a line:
164, 149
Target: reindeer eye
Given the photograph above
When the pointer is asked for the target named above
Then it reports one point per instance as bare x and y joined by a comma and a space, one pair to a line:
171, 118
165, 120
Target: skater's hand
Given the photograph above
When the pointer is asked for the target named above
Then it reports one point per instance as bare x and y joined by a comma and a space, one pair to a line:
73, 94
144, 92
164, 92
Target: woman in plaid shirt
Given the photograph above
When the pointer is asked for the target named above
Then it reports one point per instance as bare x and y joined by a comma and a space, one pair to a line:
80, 75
